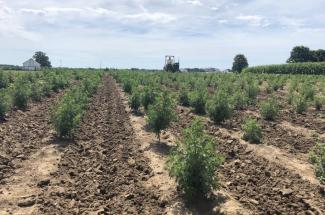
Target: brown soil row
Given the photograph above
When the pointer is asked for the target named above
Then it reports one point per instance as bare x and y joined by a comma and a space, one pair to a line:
257, 183
278, 133
23, 133
103, 172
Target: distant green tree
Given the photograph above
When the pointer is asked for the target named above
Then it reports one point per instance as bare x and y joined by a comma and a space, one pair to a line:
42, 58
240, 62
318, 55
300, 54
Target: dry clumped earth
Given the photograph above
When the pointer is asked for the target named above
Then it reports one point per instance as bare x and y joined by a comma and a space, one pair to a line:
115, 166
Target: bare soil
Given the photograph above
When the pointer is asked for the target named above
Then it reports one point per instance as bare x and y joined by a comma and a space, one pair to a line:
256, 182
104, 171
221, 202
26, 155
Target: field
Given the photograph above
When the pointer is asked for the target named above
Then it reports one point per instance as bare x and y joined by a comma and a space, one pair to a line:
86, 142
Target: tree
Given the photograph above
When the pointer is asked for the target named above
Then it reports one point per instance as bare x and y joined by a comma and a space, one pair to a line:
240, 62
42, 58
300, 54
318, 55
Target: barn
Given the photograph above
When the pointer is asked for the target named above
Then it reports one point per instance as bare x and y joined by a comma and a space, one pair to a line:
31, 65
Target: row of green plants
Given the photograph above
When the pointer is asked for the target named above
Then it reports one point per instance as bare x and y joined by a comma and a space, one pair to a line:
194, 161
220, 95
23, 87
292, 68
68, 113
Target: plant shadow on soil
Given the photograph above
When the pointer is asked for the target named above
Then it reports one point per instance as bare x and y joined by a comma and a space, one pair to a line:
201, 205
160, 148
61, 143
137, 113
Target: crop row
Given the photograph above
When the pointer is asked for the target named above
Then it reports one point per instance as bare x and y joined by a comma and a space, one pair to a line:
220, 95
291, 68
67, 114
17, 89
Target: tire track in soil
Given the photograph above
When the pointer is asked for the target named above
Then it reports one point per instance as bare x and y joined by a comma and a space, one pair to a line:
26, 156
259, 184
105, 170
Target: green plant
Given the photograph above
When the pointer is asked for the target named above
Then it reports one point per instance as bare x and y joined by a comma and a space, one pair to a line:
239, 100
252, 131
183, 98
317, 157
36, 92
251, 90
194, 162
135, 101
4, 80
161, 114
219, 109
148, 97
319, 101
127, 87
300, 104
292, 68
21, 94
66, 117
269, 109
198, 101
69, 111
308, 91
4, 104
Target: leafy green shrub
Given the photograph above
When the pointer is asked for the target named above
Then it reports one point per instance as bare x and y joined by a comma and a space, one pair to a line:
319, 102
290, 98
194, 162
47, 89
317, 157
308, 91
198, 101
135, 101
127, 87
269, 109
67, 116
59, 82
36, 92
252, 90
148, 97
21, 94
183, 98
300, 104
68, 113
252, 131
219, 109
4, 80
161, 114
4, 104
239, 100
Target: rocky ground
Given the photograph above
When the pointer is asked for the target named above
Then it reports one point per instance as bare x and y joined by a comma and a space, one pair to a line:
104, 170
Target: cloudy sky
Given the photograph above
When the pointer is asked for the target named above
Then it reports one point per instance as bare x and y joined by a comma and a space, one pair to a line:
138, 33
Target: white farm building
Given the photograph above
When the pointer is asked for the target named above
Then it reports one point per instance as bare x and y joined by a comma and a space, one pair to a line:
31, 64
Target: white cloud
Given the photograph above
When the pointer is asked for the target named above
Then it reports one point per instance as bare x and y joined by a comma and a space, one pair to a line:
195, 2
144, 30
254, 20
10, 26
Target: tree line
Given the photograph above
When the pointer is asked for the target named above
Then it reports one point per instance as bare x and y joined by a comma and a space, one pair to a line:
299, 54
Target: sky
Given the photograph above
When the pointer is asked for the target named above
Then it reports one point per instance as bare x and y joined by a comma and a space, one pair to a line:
139, 33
